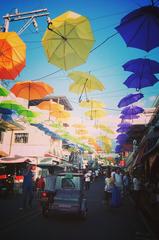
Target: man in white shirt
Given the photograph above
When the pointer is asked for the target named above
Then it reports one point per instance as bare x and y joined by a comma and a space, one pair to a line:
50, 182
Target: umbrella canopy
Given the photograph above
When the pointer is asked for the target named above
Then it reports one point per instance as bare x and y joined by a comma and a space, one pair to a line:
81, 131
12, 55
95, 113
6, 111
124, 125
142, 66
140, 81
129, 99
31, 90
138, 28
129, 117
3, 91
104, 128
83, 83
12, 105
122, 137
68, 40
118, 148
92, 104
50, 106
78, 125
60, 115
132, 110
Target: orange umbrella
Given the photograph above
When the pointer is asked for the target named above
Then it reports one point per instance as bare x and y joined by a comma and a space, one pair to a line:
12, 55
31, 90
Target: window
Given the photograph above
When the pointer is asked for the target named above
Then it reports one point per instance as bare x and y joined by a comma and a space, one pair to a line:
1, 137
67, 183
21, 137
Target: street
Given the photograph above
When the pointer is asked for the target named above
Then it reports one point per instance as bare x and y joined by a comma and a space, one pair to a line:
102, 222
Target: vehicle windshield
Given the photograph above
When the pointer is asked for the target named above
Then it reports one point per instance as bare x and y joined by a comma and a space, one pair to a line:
63, 182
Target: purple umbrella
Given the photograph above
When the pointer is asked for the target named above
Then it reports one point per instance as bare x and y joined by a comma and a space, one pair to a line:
138, 28
131, 98
140, 81
131, 117
124, 125
122, 136
118, 148
122, 130
142, 66
132, 110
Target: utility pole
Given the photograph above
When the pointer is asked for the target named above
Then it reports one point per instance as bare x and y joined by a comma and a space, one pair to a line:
31, 16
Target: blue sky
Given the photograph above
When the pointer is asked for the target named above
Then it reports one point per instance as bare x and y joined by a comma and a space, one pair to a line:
105, 62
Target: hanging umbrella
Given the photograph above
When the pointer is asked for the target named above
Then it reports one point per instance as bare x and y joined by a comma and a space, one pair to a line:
125, 125
12, 55
78, 125
3, 91
60, 115
132, 110
12, 105
129, 99
122, 137
50, 106
129, 117
6, 111
142, 66
140, 81
95, 113
31, 90
138, 28
81, 131
68, 40
84, 83
28, 113
118, 148
104, 128
92, 104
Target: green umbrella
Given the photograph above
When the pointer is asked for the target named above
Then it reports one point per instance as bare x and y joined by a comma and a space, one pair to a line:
28, 113
3, 91
12, 105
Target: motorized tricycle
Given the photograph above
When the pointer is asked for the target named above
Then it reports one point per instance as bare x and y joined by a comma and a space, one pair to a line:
69, 196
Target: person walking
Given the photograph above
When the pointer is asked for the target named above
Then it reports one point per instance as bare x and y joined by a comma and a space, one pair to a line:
109, 183
50, 182
27, 187
87, 178
136, 190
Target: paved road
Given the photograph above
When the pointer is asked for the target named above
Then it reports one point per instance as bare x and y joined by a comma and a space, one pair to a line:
102, 223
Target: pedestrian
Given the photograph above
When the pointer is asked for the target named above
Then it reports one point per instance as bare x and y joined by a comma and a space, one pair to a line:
126, 183
50, 182
40, 184
27, 187
136, 190
87, 178
109, 182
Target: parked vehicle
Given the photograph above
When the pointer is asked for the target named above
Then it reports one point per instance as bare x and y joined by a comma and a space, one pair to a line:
69, 197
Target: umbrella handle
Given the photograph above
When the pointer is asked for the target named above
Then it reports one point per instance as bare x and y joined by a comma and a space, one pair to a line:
50, 29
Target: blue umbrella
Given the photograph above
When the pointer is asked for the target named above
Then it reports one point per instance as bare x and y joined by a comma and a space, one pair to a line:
129, 99
140, 81
142, 66
140, 28
132, 110
6, 111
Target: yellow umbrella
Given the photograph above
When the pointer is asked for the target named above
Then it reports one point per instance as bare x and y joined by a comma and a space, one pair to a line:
60, 115
78, 125
68, 40
81, 131
95, 113
50, 106
104, 128
92, 104
84, 83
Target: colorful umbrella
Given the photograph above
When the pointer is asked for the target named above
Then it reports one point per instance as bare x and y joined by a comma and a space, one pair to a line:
140, 81
129, 99
81, 131
132, 110
118, 148
122, 137
142, 66
6, 111
78, 125
31, 90
68, 40
95, 113
138, 28
12, 55
83, 83
92, 104
60, 115
124, 125
3, 91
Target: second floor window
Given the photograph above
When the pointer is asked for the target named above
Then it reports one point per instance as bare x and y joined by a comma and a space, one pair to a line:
21, 137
